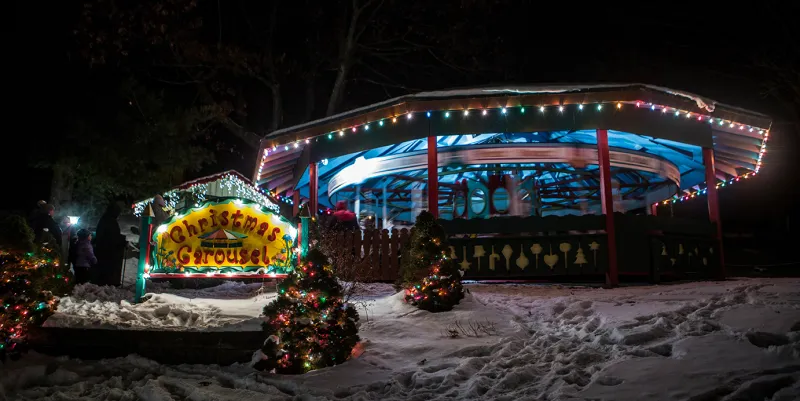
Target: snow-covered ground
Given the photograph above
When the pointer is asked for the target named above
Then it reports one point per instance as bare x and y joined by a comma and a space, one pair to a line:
732, 340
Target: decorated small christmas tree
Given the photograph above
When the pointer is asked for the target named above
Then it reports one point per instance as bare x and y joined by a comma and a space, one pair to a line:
30, 279
308, 325
432, 279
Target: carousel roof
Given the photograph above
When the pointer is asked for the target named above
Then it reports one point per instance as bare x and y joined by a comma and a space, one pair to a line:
658, 122
702, 103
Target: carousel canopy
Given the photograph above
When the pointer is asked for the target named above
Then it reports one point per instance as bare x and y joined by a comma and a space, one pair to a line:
544, 133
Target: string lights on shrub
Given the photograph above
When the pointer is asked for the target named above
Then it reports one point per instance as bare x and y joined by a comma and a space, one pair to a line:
29, 285
308, 326
508, 112
432, 279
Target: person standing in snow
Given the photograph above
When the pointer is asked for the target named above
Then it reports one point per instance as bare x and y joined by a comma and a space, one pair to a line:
344, 219
82, 257
44, 226
109, 248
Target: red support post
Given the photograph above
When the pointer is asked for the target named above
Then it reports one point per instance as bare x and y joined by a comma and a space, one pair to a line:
607, 203
313, 188
433, 177
295, 202
713, 204
654, 209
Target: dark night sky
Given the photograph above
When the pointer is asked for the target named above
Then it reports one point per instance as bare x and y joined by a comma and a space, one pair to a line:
699, 47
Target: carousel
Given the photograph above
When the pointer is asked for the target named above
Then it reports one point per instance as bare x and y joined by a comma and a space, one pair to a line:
532, 181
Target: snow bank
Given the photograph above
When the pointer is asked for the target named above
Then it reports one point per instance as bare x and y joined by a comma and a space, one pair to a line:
702, 341
229, 306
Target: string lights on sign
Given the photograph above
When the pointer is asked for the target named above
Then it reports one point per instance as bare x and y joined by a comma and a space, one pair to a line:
235, 186
508, 112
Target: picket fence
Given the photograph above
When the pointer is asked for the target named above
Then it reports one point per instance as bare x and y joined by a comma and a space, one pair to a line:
379, 250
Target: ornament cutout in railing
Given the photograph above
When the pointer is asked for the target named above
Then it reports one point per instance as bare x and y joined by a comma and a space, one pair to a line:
536, 249
464, 262
594, 246
565, 247
522, 260
551, 259
479, 253
580, 258
493, 257
507, 251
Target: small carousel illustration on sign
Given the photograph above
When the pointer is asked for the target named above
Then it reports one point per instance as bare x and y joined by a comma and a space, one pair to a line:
222, 239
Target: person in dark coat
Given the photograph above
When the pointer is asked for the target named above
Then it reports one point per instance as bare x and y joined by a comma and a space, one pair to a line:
344, 219
44, 225
33, 217
82, 256
109, 248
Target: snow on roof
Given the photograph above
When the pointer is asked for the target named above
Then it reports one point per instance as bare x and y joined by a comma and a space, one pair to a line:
703, 103
253, 191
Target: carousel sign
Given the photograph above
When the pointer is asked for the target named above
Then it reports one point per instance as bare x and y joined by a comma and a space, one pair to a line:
230, 237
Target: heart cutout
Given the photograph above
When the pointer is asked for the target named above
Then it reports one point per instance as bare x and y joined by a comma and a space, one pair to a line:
551, 260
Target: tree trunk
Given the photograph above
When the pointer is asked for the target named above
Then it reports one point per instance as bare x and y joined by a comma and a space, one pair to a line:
346, 50
338, 88
61, 185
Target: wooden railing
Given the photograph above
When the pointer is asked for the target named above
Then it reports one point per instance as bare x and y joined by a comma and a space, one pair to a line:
551, 248
379, 250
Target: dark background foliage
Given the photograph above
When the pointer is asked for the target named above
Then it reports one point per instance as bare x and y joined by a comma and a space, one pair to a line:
117, 99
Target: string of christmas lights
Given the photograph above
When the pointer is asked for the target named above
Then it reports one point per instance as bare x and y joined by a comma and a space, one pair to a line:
685, 196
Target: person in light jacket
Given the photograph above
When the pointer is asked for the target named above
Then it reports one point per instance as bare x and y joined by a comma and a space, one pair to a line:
83, 258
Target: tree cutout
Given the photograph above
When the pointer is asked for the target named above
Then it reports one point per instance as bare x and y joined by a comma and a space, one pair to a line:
536, 249
551, 259
507, 251
594, 246
522, 260
565, 247
464, 262
492, 258
580, 258
479, 253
